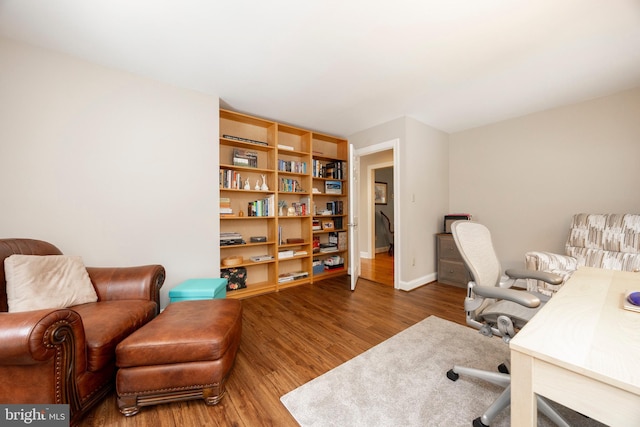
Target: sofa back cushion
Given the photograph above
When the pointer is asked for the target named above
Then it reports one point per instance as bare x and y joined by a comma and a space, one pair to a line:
20, 246
610, 241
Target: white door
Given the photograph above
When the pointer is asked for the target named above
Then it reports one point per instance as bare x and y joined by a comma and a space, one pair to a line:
354, 247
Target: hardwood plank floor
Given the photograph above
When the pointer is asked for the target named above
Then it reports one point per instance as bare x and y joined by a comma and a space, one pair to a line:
378, 269
291, 337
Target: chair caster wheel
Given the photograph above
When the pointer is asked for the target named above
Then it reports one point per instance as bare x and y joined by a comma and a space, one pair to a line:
478, 423
452, 375
503, 368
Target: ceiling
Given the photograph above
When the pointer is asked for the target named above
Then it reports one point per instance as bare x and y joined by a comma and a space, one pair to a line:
341, 66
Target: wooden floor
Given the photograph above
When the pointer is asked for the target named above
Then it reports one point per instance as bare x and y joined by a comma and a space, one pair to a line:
291, 337
379, 269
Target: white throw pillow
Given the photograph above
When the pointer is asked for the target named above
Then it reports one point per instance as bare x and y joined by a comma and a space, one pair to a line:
35, 282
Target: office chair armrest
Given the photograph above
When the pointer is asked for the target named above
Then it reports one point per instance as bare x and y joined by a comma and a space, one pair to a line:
553, 279
519, 297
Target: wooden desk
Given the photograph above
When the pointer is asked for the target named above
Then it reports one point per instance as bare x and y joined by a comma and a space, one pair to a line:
581, 350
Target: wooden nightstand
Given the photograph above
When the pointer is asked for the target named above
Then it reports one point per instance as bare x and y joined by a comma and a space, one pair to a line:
451, 267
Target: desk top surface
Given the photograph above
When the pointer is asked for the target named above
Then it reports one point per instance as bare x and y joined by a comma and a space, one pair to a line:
584, 328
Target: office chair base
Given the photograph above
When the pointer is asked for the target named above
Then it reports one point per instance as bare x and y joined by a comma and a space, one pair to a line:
478, 423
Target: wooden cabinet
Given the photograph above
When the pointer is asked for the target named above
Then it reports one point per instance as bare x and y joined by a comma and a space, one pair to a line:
277, 182
451, 267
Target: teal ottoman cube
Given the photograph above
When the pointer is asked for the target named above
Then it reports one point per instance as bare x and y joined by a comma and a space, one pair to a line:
196, 289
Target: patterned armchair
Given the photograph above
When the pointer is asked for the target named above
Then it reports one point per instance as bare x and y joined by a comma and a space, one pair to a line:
609, 241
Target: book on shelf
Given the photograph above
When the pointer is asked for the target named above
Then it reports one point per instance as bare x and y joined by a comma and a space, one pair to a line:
245, 158
285, 254
342, 240
289, 185
291, 276
339, 239
330, 169
336, 207
300, 253
316, 244
333, 187
328, 248
258, 258
292, 166
262, 207
337, 223
225, 206
251, 141
285, 147
230, 179
229, 238
301, 208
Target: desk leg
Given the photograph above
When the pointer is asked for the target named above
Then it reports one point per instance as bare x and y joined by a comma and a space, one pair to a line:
524, 408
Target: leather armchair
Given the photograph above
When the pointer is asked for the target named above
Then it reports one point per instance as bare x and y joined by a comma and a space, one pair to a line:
67, 356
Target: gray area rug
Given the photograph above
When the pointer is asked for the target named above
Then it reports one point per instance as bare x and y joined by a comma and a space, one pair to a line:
402, 382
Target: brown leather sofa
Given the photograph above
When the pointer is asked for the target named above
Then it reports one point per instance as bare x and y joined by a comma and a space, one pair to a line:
67, 356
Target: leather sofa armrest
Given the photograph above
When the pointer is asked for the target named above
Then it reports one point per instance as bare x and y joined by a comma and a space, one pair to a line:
117, 283
32, 337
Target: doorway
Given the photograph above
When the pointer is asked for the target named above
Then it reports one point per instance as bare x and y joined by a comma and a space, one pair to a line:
378, 265
377, 169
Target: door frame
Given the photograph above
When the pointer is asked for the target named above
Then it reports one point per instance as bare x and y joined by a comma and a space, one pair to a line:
394, 145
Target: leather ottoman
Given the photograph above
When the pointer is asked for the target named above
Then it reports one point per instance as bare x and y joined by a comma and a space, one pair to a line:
186, 352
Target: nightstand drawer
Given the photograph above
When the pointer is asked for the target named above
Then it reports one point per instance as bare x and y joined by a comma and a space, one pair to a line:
452, 272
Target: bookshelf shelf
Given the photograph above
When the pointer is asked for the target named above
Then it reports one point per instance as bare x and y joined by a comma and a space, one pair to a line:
291, 162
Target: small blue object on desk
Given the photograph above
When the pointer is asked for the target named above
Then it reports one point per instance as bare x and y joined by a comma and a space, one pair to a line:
196, 289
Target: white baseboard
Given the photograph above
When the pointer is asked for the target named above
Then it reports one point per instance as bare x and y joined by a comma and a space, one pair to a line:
416, 283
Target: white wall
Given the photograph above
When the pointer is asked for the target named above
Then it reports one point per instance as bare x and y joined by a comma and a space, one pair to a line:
424, 198
119, 169
524, 178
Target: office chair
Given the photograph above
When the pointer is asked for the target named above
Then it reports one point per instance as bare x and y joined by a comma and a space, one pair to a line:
387, 224
495, 309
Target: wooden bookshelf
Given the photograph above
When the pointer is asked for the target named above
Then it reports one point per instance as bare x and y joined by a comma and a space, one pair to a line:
291, 178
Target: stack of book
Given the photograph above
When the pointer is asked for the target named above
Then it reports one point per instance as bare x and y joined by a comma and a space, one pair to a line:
231, 238
225, 206
328, 247
285, 254
289, 277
